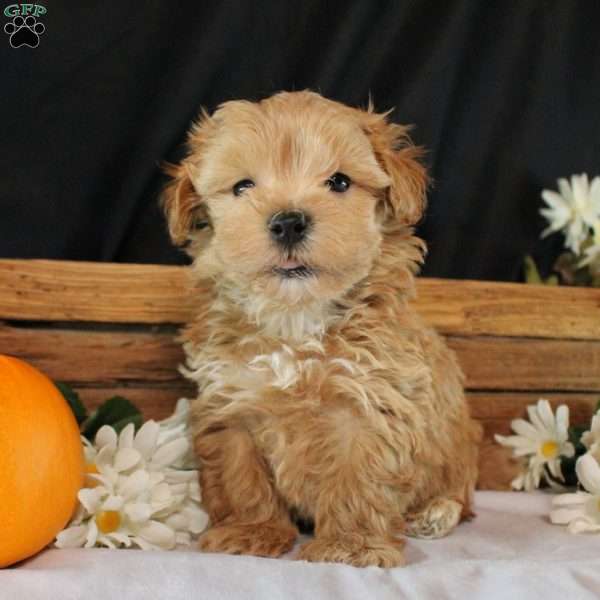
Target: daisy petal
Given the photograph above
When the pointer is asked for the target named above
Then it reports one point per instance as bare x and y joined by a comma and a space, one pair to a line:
91, 535
113, 503
72, 537
105, 456
158, 534
106, 436
104, 540
126, 436
170, 453
572, 499
121, 538
143, 544
565, 190
583, 525
145, 439
554, 468
177, 522
197, 518
90, 499
535, 419
138, 512
135, 484
545, 413
126, 458
562, 421
563, 516
588, 473
567, 450
522, 427
554, 200
183, 538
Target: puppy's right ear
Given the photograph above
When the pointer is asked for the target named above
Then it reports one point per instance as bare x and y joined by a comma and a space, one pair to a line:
184, 208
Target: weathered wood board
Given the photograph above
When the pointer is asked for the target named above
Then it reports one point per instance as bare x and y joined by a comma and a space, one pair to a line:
111, 329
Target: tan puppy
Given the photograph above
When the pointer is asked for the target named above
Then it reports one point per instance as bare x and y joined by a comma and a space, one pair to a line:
321, 392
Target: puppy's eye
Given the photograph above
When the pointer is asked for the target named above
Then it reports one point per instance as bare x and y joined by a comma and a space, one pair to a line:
241, 186
199, 224
339, 183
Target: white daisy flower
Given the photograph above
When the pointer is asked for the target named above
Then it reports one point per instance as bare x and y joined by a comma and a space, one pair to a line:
136, 494
574, 210
581, 510
541, 441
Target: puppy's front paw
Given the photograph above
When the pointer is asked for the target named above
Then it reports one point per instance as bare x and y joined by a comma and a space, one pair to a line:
356, 550
259, 539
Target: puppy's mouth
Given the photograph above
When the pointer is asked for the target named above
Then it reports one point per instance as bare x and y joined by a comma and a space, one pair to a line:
293, 269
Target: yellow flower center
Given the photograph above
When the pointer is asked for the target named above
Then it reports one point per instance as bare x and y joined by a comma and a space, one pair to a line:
108, 521
91, 469
550, 449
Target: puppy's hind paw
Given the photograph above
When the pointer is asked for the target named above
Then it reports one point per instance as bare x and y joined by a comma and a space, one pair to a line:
356, 550
437, 520
259, 539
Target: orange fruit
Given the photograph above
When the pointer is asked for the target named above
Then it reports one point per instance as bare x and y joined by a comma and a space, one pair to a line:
41, 461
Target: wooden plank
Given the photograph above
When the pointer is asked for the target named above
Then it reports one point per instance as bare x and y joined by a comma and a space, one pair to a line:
86, 291
154, 402
494, 410
528, 364
92, 357
510, 309
125, 293
497, 410
115, 357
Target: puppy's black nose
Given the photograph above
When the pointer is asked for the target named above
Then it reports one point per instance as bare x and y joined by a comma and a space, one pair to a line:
288, 228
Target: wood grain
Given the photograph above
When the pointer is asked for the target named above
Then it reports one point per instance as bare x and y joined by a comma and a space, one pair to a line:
111, 336
117, 357
495, 410
154, 402
86, 291
492, 363
510, 309
126, 293
93, 357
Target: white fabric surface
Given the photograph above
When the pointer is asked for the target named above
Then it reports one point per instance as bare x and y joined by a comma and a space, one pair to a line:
510, 550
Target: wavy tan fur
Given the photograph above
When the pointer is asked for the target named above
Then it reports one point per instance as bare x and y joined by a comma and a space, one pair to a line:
324, 396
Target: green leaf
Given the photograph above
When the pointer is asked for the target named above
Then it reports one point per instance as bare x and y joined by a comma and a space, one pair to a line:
117, 412
575, 433
567, 467
72, 398
135, 419
532, 275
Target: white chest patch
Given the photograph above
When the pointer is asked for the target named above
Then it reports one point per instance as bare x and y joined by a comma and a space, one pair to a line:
279, 369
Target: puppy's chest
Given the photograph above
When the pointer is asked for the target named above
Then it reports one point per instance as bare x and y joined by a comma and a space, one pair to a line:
285, 371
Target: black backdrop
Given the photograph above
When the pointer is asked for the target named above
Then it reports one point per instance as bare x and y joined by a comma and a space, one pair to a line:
504, 94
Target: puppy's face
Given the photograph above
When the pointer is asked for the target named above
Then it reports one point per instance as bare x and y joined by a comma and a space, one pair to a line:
289, 198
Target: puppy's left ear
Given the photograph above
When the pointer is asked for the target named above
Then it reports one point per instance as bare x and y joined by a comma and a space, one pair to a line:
405, 198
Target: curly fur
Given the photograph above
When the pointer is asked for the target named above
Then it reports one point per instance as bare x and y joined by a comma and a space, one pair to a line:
326, 396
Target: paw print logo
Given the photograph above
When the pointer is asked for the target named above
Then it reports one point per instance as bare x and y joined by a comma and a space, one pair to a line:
24, 31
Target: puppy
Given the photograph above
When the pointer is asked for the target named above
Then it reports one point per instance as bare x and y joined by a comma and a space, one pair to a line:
321, 392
